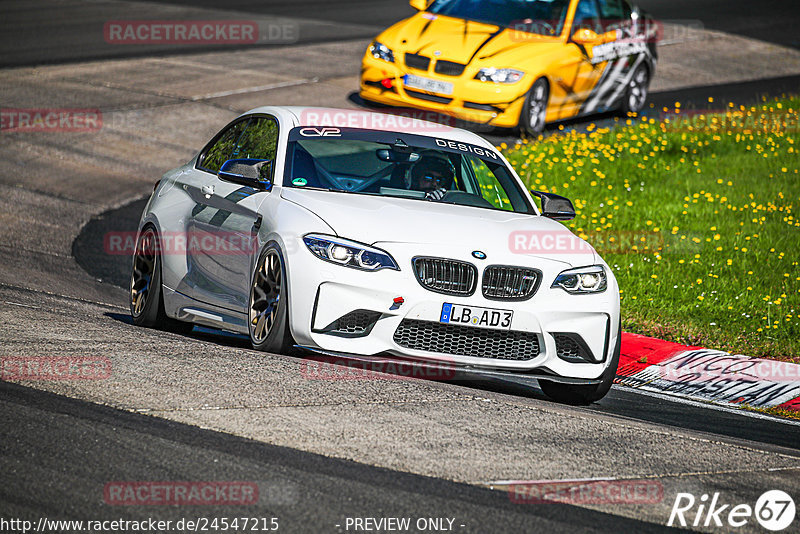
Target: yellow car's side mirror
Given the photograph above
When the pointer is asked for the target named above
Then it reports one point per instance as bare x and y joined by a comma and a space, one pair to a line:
585, 36
419, 5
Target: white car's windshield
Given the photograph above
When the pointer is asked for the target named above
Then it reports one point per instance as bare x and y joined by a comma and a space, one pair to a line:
401, 165
545, 17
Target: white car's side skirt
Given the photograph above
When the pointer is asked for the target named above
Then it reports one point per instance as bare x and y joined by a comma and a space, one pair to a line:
179, 306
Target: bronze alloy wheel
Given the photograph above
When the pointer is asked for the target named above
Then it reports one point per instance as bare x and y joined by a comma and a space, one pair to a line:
147, 300
265, 296
144, 265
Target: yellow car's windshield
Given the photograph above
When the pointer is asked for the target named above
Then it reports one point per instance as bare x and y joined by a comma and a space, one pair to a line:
543, 17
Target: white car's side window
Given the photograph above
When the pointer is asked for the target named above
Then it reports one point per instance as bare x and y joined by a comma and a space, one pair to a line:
213, 158
259, 140
250, 137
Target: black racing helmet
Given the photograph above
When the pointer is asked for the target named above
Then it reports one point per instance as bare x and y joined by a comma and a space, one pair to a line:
432, 164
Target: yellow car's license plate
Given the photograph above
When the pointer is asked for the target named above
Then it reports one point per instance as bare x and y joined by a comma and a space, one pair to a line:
427, 84
476, 316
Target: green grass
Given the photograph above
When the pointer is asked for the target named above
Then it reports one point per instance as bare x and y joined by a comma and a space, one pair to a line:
777, 411
696, 217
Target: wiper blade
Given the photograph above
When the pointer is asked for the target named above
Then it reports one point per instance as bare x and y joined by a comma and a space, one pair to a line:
314, 188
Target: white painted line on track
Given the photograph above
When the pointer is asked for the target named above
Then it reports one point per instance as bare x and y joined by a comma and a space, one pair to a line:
20, 304
254, 89
493, 483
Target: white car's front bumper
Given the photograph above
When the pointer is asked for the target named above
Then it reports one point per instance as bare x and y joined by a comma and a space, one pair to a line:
321, 293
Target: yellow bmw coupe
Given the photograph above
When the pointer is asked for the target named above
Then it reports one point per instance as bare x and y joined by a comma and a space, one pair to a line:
514, 63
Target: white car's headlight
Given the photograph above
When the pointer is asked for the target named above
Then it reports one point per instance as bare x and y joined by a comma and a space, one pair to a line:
582, 280
492, 74
381, 51
349, 253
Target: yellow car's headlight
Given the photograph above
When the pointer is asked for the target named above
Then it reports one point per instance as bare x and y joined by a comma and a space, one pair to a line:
381, 51
492, 74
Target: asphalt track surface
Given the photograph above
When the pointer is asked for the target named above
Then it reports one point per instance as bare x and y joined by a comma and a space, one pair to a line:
57, 452
305, 491
767, 20
88, 251
49, 31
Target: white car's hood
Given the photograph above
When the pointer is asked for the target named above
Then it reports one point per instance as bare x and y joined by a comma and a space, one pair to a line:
374, 219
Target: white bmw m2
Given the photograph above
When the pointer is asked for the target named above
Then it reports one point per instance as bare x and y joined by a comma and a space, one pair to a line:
371, 235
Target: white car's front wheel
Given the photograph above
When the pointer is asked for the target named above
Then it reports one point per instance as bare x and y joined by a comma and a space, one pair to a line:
268, 322
584, 395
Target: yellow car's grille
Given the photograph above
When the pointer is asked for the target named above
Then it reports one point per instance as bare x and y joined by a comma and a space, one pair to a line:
431, 98
449, 68
416, 61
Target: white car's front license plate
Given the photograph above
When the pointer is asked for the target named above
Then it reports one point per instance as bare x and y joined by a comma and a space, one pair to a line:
426, 84
476, 316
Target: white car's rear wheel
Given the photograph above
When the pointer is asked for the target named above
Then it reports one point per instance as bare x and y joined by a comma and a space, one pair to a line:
268, 322
144, 308
147, 300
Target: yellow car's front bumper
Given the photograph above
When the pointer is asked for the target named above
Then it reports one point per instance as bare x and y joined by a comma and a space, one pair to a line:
492, 104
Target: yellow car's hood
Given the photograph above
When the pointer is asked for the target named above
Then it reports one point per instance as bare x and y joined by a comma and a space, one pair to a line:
466, 41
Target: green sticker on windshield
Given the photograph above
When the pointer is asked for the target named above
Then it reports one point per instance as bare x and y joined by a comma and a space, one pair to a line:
300, 182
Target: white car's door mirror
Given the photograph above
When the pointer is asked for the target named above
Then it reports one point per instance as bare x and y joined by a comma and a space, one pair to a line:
255, 173
555, 207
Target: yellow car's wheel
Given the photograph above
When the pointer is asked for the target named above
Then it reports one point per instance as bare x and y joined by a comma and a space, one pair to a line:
636, 92
531, 120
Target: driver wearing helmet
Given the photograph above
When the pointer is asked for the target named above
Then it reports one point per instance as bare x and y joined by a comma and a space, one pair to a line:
432, 174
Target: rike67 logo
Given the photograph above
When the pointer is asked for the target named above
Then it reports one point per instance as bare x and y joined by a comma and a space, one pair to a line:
774, 510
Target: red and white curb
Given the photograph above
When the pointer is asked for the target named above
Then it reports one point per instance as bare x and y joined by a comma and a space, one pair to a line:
654, 365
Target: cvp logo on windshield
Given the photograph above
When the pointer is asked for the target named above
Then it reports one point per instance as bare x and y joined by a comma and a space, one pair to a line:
321, 132
478, 254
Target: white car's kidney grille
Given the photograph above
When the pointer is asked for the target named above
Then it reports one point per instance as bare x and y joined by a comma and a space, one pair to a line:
466, 341
501, 282
451, 277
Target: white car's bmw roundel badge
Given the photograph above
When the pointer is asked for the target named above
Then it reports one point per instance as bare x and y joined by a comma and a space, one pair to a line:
478, 254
